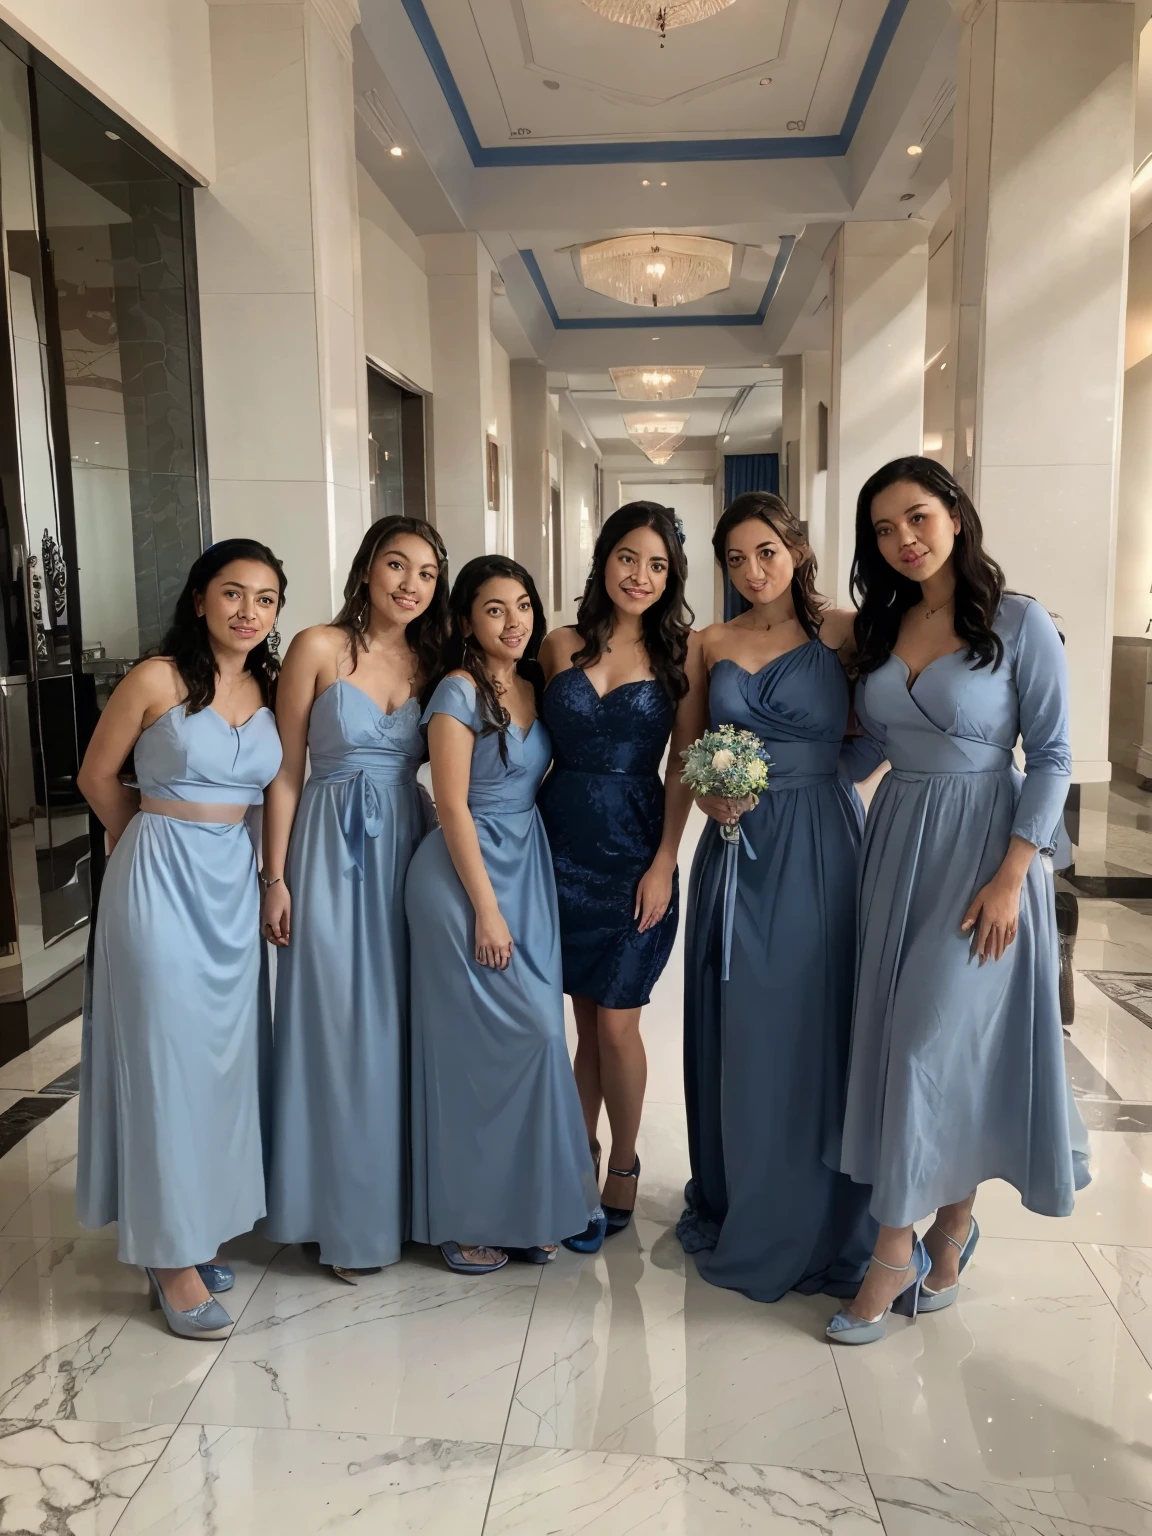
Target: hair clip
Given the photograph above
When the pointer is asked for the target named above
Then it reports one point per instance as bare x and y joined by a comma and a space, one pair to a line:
680, 530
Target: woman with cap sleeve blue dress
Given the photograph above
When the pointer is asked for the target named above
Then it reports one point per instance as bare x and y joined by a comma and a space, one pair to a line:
336, 854
171, 1144
500, 1160
956, 1072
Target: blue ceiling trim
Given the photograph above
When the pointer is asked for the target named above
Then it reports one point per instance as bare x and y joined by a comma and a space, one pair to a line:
656, 151
660, 318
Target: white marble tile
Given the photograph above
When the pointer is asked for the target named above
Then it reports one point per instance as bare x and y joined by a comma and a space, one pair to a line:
911, 1506
1115, 1208
72, 1478
1126, 1277
36, 1068
49, 1210
568, 1492
14, 1255
79, 1340
1117, 1045
8, 1097
1031, 1378
48, 1146
633, 1351
299, 1482
414, 1350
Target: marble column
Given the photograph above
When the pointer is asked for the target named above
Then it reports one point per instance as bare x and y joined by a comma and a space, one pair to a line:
1041, 187
879, 312
530, 491
459, 313
278, 243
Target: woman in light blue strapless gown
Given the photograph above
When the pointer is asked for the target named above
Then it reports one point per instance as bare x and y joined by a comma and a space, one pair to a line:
771, 935
499, 1151
957, 1063
336, 853
170, 1115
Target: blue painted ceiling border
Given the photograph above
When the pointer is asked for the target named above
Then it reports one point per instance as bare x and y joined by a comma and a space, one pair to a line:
661, 319
659, 151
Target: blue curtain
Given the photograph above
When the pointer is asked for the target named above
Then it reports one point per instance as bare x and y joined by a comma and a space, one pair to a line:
746, 472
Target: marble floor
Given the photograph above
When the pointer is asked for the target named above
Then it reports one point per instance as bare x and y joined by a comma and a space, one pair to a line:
617, 1394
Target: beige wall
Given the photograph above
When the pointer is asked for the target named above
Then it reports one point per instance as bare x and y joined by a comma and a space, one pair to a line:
147, 59
396, 331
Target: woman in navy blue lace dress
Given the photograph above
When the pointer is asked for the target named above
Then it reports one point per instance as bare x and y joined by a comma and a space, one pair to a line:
614, 686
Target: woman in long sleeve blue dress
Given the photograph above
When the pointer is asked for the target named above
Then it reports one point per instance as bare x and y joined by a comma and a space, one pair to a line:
170, 1142
615, 684
957, 1064
336, 854
500, 1160
771, 931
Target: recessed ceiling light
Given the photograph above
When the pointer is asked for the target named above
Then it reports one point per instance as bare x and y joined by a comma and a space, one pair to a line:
551, 85
915, 149
645, 182
108, 134
663, 183
906, 197
727, 437
943, 366
396, 150
767, 80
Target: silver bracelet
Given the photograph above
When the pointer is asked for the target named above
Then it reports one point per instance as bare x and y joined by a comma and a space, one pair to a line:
268, 884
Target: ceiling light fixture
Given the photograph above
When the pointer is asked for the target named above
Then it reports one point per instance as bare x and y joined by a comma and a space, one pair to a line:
657, 436
645, 182
551, 85
663, 183
108, 134
906, 197
396, 150
656, 383
767, 80
658, 15
656, 271
915, 149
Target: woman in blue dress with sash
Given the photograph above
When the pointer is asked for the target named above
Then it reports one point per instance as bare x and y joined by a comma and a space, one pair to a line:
336, 854
500, 1160
771, 932
614, 684
170, 1140
957, 1064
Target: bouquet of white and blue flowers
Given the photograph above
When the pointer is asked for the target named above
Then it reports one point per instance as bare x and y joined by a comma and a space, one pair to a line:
727, 762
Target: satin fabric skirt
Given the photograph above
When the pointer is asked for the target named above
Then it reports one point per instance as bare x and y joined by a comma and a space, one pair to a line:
339, 1173
174, 1045
499, 1150
765, 1053
957, 1069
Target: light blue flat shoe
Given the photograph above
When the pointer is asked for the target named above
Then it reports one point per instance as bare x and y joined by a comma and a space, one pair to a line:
453, 1256
845, 1328
207, 1321
217, 1277
936, 1301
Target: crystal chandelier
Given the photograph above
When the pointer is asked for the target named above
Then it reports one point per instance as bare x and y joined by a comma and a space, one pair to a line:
658, 15
656, 383
656, 271
658, 437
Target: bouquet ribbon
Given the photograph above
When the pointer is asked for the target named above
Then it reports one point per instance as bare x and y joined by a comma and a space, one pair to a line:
733, 837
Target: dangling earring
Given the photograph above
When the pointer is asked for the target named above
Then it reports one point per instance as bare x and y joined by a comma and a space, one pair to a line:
365, 609
274, 642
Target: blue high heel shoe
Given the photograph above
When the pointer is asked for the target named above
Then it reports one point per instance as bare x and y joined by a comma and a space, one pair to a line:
936, 1301
847, 1329
207, 1321
216, 1277
591, 1240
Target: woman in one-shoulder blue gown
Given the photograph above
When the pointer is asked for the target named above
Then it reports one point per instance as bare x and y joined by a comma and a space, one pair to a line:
341, 844
613, 826
500, 1160
957, 1063
771, 940
170, 1140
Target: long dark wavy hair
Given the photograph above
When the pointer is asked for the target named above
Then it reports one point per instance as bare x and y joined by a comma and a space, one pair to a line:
463, 652
778, 515
665, 625
187, 642
427, 634
884, 596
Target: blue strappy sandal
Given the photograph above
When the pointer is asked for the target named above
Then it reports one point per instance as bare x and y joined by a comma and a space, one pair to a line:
936, 1301
845, 1328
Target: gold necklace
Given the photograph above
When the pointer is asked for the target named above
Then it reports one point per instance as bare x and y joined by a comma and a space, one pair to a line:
928, 612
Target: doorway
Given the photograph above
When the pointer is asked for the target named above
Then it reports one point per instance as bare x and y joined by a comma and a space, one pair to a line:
396, 451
